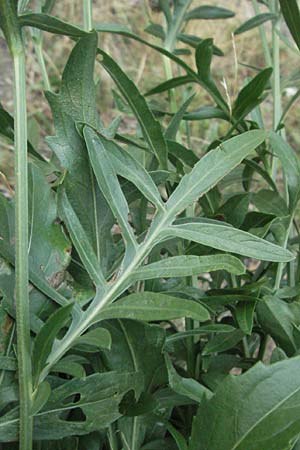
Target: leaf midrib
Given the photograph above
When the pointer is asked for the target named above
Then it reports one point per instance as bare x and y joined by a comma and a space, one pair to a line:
263, 418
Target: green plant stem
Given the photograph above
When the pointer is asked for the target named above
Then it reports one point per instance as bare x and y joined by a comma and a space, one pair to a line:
12, 32
87, 15
38, 47
276, 83
280, 266
263, 347
169, 76
263, 36
21, 263
170, 43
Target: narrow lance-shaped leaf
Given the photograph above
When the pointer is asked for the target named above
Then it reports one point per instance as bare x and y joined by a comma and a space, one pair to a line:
126, 166
109, 184
205, 329
44, 340
170, 84
212, 168
98, 338
250, 94
50, 24
203, 56
174, 125
208, 12
185, 386
229, 239
244, 314
188, 265
149, 306
150, 126
255, 22
80, 240
291, 14
251, 419
221, 343
290, 164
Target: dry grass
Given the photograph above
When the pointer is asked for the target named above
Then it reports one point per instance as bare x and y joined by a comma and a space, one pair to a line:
145, 67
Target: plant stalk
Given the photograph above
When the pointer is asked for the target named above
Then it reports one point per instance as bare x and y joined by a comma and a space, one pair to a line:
87, 15
263, 36
12, 32
21, 263
276, 82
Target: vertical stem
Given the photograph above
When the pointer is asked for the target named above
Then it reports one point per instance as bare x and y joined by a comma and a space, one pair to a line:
12, 32
87, 15
38, 47
21, 264
281, 265
276, 81
263, 36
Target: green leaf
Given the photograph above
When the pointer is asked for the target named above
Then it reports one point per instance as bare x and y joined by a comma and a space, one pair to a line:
97, 338
100, 396
250, 94
156, 30
290, 164
8, 363
221, 343
45, 338
183, 154
151, 129
203, 56
208, 12
72, 368
235, 209
51, 24
186, 386
7, 130
80, 240
205, 329
194, 41
170, 84
76, 102
244, 314
291, 14
255, 22
49, 252
279, 319
136, 346
149, 306
174, 125
109, 184
229, 239
206, 112
40, 397
177, 436
128, 167
270, 202
251, 418
212, 168
188, 265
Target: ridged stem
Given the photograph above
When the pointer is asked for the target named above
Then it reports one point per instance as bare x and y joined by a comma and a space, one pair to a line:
12, 32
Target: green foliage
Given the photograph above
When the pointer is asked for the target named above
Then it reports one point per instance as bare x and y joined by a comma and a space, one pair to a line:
163, 285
